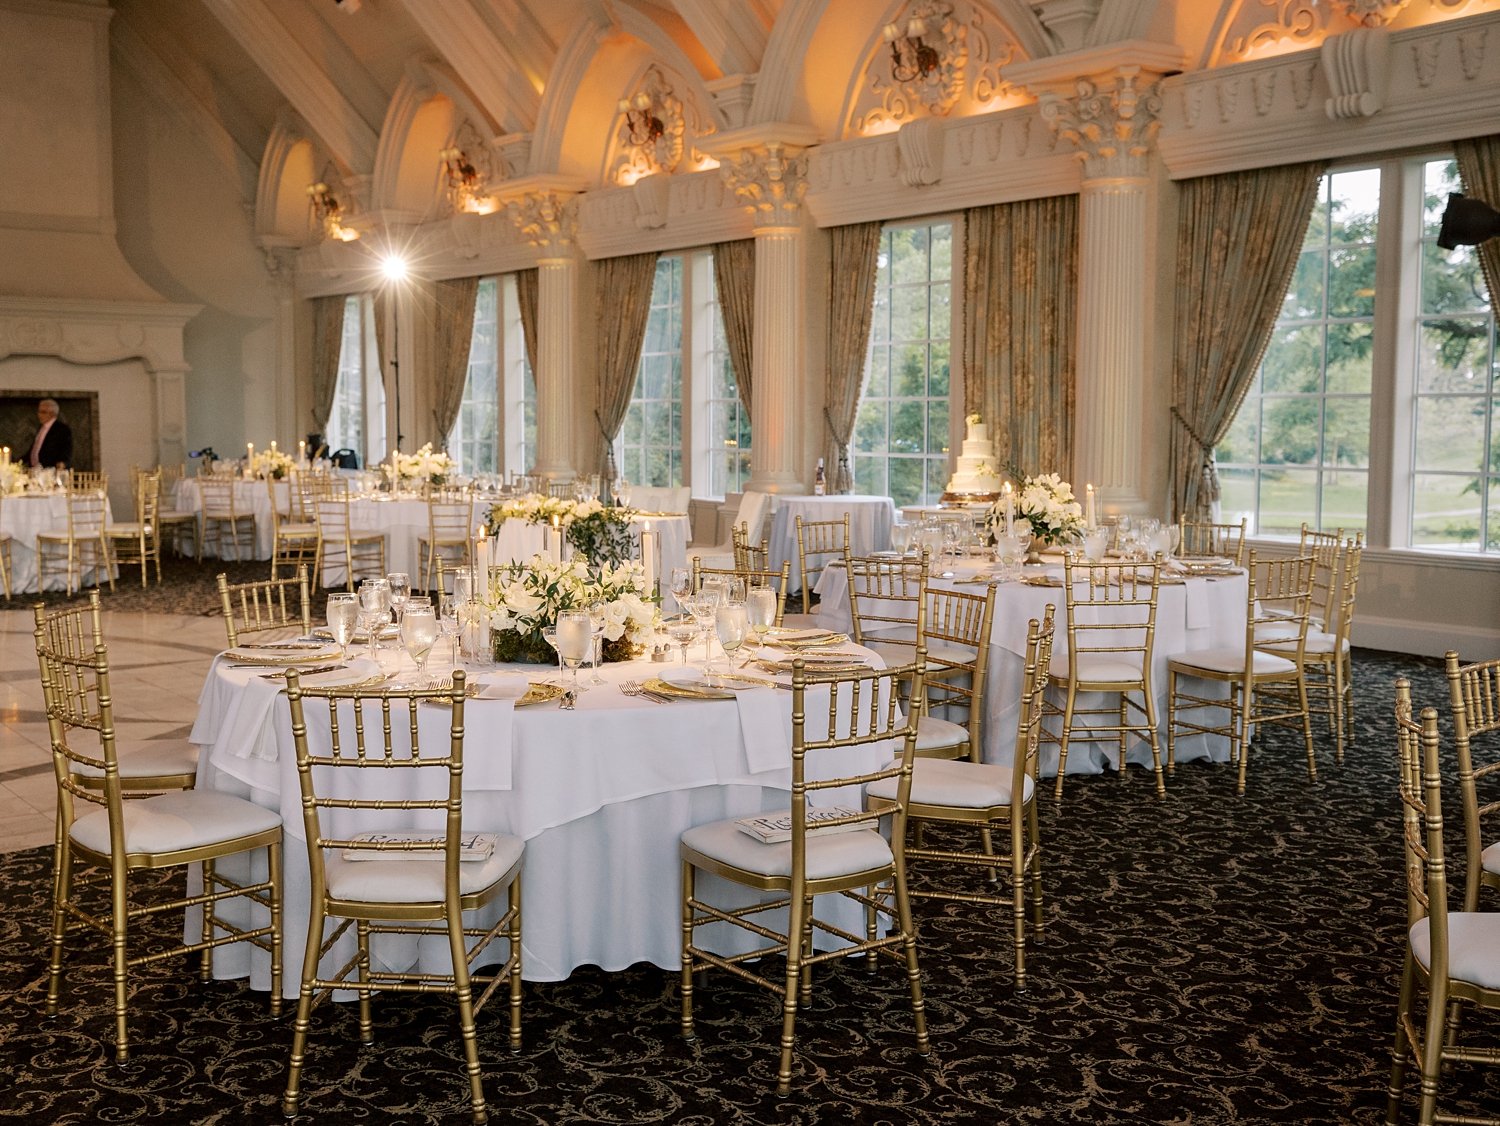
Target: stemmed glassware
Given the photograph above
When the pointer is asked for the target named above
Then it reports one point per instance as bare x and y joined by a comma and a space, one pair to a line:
621, 491
702, 606
575, 640
341, 614
450, 625
419, 630
731, 623
1010, 549
597, 619
901, 537
682, 585
374, 610
681, 628
400, 584
549, 635
760, 606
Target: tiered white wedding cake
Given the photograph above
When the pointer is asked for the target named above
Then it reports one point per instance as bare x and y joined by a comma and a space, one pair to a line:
977, 478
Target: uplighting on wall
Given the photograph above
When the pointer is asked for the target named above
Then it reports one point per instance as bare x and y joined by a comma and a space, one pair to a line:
328, 213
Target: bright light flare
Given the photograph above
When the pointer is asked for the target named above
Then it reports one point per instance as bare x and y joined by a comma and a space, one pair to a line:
393, 267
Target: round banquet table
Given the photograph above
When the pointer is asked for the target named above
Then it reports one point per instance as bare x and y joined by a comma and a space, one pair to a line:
600, 795
870, 520
1191, 614
24, 517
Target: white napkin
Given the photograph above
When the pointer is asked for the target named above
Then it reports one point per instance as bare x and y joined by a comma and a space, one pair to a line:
766, 728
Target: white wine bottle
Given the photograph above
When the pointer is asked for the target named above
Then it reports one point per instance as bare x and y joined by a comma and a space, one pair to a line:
820, 480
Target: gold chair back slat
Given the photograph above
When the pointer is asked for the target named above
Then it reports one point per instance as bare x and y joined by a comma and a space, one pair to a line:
1474, 700
753, 578
1205, 540
266, 605
958, 621
888, 600
819, 542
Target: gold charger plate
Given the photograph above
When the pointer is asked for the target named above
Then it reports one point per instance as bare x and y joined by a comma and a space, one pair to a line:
1042, 580
814, 666
539, 693
283, 658
695, 690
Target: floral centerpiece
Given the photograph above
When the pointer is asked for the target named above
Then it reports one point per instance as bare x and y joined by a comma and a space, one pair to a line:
525, 598
1046, 503
271, 463
600, 534
12, 477
423, 466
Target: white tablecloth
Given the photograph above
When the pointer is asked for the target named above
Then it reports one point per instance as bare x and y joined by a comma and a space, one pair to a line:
1200, 613
870, 520
600, 795
24, 517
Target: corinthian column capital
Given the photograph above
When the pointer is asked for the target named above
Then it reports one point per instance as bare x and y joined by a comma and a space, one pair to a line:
769, 181
548, 220
1112, 120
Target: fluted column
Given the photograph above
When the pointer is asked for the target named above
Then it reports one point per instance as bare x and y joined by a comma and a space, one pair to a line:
1112, 120
548, 220
770, 179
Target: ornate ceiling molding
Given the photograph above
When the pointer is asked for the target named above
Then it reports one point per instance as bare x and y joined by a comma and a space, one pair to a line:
1112, 121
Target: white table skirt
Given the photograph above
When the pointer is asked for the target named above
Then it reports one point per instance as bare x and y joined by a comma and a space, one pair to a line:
600, 795
870, 520
25, 517
1202, 613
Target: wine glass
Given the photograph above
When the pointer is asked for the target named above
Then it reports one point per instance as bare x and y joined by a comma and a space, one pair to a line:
450, 625
575, 640
419, 629
681, 628
733, 591
731, 623
374, 609
549, 635
341, 614
1011, 549
400, 584
901, 538
597, 619
682, 585
702, 606
622, 492
760, 606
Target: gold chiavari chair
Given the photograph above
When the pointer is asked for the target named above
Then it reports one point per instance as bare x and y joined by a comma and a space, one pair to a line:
863, 710
395, 866
1264, 686
562, 489
1325, 548
1451, 956
1474, 695
450, 531
1327, 665
754, 577
888, 605
83, 546
1203, 540
361, 554
752, 556
229, 531
6, 539
956, 640
294, 536
819, 542
1000, 801
279, 606
175, 522
84, 480
138, 542
98, 828
1111, 612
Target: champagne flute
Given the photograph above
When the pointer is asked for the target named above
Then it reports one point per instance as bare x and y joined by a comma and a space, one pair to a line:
450, 624
733, 591
597, 619
731, 623
575, 639
341, 614
400, 584
419, 629
760, 606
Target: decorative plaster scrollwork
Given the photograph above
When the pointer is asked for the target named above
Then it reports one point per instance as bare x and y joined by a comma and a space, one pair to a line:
547, 220
769, 181
1370, 13
1296, 22
470, 170
1471, 52
1356, 67
921, 146
1113, 125
37, 336
652, 132
1424, 57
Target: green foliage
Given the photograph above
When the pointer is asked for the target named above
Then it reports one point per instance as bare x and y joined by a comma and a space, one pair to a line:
602, 537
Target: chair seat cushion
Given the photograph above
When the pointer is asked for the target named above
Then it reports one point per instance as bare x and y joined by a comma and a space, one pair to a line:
180, 820
416, 881
128, 528
149, 758
954, 782
1473, 946
1318, 642
173, 514
828, 854
1100, 668
1489, 859
307, 530
934, 734
1232, 660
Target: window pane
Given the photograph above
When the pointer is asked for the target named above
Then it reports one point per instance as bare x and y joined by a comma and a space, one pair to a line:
1345, 497
649, 449
906, 480
1455, 355
1350, 357
1305, 297
909, 376
1288, 497
909, 313
1294, 359
1346, 432
1291, 430
1446, 512
1351, 282
1451, 432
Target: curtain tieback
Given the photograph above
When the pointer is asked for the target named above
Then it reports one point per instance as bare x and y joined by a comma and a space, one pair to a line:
603, 433
833, 432
1210, 484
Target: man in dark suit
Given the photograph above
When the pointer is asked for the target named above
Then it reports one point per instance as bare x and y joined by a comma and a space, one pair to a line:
52, 448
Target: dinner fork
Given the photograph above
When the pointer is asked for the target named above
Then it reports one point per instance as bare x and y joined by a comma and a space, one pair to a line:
636, 688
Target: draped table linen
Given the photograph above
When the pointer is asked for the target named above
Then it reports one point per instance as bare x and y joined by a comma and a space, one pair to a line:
870, 520
25, 516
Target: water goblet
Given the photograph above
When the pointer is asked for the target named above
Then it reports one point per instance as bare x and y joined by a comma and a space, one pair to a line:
731, 624
341, 614
901, 538
575, 640
400, 584
702, 606
374, 610
681, 628
450, 625
1094, 542
733, 591
760, 605
621, 490
419, 630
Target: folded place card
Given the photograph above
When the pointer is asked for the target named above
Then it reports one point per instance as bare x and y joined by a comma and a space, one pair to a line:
399, 846
773, 828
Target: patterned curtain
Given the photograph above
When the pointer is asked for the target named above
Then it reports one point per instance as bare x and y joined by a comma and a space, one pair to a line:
1019, 346
1479, 169
734, 279
1238, 236
853, 259
622, 292
327, 347
528, 285
452, 333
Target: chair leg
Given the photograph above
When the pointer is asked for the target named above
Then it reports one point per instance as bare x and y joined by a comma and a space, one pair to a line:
688, 873
62, 888
909, 947
119, 906
1067, 731
1432, 1050
291, 1096
514, 938
1399, 1048
273, 874
1171, 721
1312, 758
795, 908
1246, 692
1018, 897
366, 1025
464, 991
206, 955
807, 938
1336, 707
1150, 709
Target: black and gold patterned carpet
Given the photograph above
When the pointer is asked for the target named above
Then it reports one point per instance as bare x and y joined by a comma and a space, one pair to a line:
1207, 960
